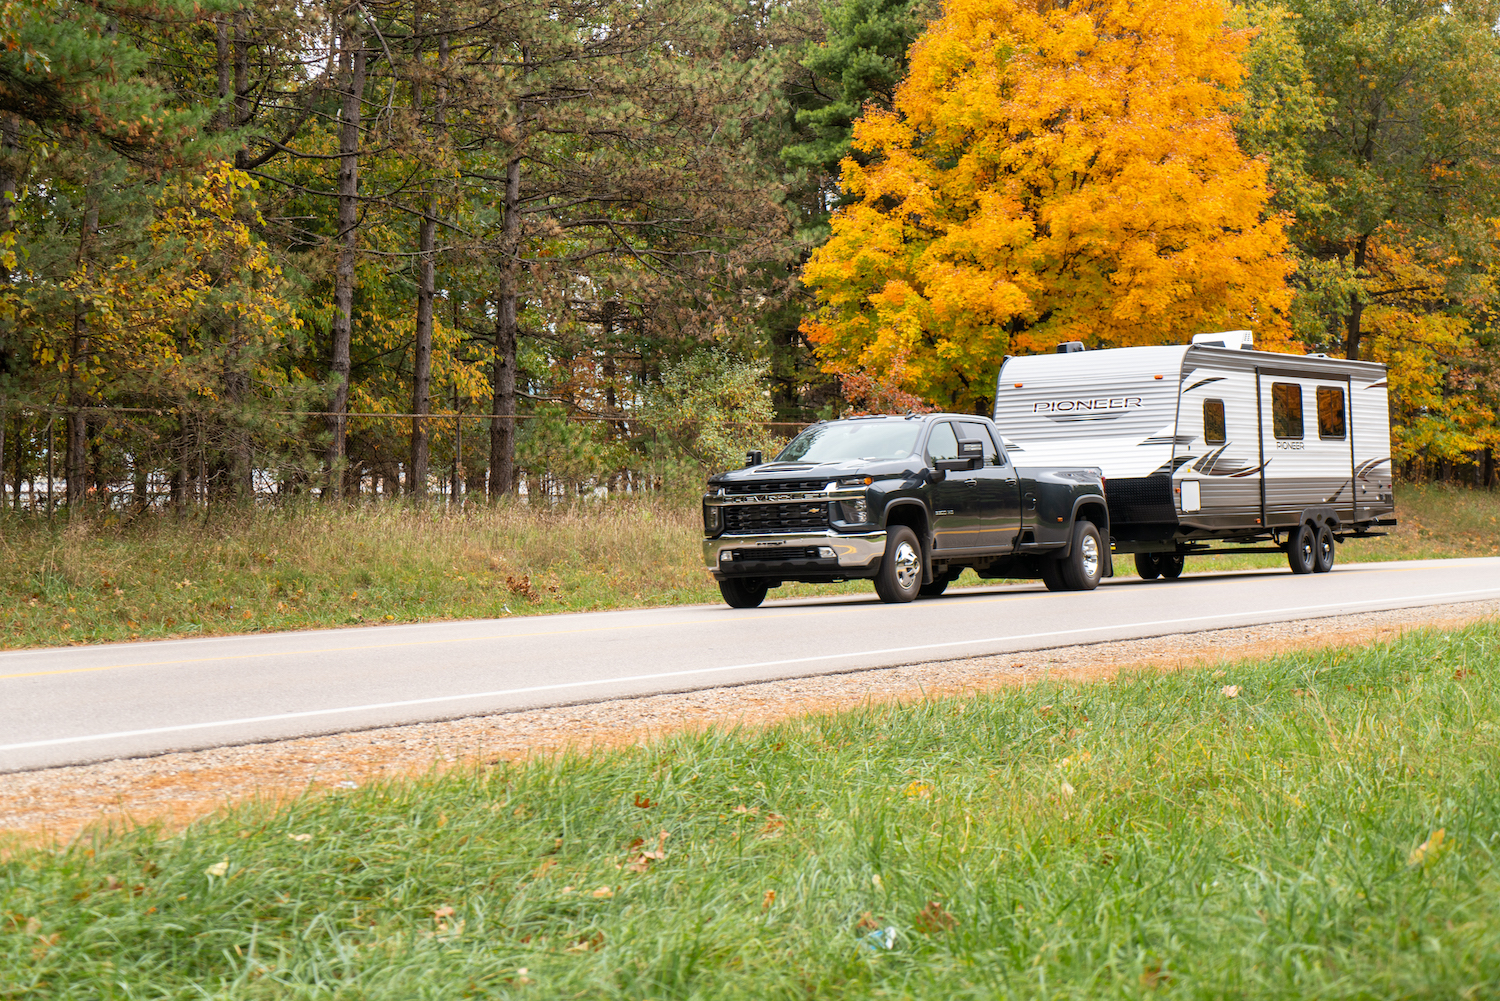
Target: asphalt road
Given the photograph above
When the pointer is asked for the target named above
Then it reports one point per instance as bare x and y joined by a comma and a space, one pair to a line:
80, 704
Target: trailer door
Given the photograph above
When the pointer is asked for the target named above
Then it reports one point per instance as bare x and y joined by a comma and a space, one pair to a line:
1306, 444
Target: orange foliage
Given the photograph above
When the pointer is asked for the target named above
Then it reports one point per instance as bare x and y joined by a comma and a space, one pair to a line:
1049, 174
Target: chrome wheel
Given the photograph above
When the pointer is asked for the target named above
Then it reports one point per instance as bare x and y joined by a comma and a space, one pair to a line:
908, 565
1090, 549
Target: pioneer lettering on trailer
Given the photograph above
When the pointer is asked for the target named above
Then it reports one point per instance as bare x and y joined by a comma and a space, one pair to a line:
1073, 406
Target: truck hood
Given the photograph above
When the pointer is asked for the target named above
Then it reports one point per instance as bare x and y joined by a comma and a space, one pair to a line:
781, 471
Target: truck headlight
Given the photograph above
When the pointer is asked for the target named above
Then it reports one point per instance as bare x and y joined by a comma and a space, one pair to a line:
855, 511
713, 519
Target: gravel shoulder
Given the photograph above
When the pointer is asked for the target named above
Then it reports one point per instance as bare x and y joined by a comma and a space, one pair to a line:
57, 805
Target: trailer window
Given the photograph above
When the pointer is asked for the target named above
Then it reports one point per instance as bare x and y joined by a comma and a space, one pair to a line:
1330, 412
1286, 410
1213, 422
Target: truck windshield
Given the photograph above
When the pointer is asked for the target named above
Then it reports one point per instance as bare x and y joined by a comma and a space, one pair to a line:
891, 439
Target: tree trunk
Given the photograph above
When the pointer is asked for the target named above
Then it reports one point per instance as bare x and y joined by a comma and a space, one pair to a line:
76, 470
503, 426
421, 389
352, 71
9, 183
1352, 332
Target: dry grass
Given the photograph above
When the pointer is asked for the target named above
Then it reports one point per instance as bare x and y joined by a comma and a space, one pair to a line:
94, 580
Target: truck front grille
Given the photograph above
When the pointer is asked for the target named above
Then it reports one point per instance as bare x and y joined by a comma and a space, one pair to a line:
776, 487
761, 519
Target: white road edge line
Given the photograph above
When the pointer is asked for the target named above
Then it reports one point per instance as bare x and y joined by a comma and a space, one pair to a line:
703, 670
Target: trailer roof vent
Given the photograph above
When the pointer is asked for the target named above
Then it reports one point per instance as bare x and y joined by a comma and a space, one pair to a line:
1068, 347
1242, 340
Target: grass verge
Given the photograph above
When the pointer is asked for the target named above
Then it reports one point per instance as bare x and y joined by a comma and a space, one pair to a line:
102, 580
1313, 826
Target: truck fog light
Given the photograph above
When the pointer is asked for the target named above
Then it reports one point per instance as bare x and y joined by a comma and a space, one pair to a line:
726, 556
826, 552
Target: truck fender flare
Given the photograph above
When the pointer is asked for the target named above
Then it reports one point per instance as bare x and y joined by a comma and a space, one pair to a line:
1101, 522
923, 532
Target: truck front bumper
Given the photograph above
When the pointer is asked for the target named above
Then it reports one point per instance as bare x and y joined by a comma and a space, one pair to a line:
809, 556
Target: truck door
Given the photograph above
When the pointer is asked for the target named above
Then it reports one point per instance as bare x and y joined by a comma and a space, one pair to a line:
1306, 444
951, 498
996, 501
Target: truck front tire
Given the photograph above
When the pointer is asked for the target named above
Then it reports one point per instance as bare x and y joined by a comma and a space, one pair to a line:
900, 575
743, 593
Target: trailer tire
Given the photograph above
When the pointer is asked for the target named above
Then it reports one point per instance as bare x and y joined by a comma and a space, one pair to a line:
1147, 566
1171, 565
900, 575
739, 593
1323, 559
1302, 549
1083, 567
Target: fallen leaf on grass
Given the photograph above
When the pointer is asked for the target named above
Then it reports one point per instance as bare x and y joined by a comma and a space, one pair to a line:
438, 913
768, 899
932, 919
1067, 790
543, 869
1429, 850
1153, 977
603, 893
918, 789
217, 869
772, 828
1230, 691
742, 808
587, 943
867, 922
300, 837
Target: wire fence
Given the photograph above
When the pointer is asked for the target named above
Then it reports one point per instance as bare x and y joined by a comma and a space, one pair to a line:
142, 458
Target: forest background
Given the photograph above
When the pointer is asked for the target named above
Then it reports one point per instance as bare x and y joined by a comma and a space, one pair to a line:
417, 249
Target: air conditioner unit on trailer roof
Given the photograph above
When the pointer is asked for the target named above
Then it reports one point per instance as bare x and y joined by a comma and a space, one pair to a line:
1242, 340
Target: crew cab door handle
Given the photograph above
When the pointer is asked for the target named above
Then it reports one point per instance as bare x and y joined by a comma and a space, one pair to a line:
971, 483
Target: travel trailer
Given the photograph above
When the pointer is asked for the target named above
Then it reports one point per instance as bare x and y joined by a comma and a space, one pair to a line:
1211, 444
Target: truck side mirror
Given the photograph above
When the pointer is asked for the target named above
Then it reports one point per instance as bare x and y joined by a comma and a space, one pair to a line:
753, 458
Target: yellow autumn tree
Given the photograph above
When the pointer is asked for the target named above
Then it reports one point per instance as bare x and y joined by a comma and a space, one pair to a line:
1049, 173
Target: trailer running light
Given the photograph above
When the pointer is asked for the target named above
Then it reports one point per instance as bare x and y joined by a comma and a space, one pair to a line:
1156, 377
1018, 385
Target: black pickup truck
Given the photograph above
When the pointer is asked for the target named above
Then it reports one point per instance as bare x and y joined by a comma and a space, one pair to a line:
908, 502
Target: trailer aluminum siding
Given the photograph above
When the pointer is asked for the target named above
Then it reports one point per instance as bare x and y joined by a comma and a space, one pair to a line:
1201, 442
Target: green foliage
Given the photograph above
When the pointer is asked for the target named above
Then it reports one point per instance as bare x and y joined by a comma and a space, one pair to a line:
860, 61
713, 408
577, 455
1318, 825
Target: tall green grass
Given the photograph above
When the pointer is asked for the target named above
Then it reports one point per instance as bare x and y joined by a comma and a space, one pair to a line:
95, 579
1327, 827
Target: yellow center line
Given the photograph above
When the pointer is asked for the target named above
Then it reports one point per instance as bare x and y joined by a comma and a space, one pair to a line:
799, 613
